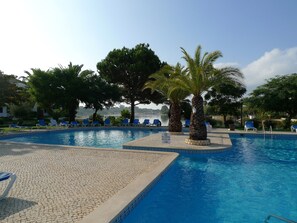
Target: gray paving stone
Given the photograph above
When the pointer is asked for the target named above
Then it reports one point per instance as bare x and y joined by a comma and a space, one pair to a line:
64, 184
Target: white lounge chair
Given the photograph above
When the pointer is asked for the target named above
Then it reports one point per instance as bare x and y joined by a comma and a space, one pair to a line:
7, 176
64, 124
53, 122
208, 126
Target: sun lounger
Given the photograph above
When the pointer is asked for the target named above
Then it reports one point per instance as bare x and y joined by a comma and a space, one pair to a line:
7, 176
85, 123
53, 122
64, 124
14, 126
146, 122
249, 125
41, 122
136, 122
187, 123
95, 123
125, 122
107, 122
294, 128
208, 126
74, 124
156, 122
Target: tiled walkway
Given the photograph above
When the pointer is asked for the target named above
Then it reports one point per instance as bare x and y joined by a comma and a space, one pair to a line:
64, 184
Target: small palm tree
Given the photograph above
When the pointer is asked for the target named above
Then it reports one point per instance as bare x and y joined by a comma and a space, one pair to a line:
162, 81
201, 76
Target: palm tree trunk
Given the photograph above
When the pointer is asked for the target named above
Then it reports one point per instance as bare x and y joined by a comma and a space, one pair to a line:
175, 124
197, 126
95, 114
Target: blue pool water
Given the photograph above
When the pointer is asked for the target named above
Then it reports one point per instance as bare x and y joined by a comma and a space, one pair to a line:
256, 178
101, 138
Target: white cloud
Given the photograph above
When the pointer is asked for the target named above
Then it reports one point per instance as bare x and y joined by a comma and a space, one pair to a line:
229, 64
272, 63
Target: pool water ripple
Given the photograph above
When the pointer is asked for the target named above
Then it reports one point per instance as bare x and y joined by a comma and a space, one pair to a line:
100, 138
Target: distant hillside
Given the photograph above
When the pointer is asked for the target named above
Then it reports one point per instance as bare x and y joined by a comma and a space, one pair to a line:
116, 111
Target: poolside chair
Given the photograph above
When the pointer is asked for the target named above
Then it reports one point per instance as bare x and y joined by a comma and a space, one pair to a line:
107, 122
7, 176
125, 122
249, 125
53, 122
64, 124
13, 125
294, 128
136, 122
74, 124
41, 122
157, 122
187, 123
146, 122
208, 126
85, 123
95, 123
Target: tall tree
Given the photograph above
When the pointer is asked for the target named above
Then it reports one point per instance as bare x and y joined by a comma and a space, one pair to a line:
100, 93
279, 94
130, 69
200, 77
42, 87
59, 87
161, 81
225, 98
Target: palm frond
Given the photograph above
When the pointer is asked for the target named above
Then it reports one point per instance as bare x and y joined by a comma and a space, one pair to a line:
198, 55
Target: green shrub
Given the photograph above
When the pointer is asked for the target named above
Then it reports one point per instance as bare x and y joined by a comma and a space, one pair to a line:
125, 113
228, 123
22, 111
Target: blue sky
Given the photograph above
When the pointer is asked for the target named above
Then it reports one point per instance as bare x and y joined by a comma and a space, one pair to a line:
259, 37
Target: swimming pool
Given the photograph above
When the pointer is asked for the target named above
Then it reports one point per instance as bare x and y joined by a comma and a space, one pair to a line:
97, 137
254, 179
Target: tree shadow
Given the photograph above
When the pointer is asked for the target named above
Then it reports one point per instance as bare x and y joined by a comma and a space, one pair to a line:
10, 206
19, 149
14, 149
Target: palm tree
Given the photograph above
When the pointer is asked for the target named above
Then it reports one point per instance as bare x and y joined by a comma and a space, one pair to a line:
201, 76
162, 81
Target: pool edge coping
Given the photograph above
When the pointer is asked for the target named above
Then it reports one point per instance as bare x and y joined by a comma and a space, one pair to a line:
113, 208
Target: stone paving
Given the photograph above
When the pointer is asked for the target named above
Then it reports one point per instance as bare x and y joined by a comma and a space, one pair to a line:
219, 142
64, 184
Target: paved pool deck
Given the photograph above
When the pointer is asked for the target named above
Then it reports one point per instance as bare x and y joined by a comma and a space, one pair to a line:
76, 184
66, 184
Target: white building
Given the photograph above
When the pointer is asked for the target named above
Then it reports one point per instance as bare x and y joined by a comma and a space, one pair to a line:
3, 112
